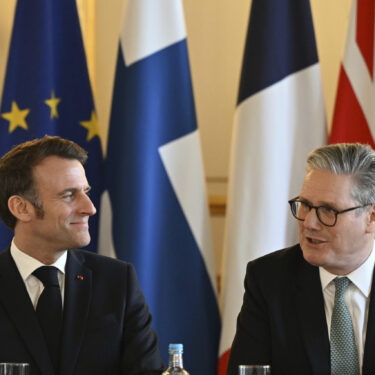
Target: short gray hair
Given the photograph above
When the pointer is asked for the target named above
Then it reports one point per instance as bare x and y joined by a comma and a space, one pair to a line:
352, 159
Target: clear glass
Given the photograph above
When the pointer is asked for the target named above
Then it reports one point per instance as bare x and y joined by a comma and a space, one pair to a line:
14, 369
254, 370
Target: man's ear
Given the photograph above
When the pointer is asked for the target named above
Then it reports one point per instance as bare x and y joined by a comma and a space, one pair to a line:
371, 220
21, 208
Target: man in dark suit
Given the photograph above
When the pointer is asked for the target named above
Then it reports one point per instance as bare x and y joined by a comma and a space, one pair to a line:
293, 309
100, 323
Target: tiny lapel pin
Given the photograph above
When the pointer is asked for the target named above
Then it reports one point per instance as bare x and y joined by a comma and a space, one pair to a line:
79, 277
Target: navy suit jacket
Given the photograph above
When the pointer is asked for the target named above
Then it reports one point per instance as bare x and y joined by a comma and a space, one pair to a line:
282, 320
106, 327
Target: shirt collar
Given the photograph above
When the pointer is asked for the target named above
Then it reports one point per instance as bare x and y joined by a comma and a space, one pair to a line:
27, 264
360, 277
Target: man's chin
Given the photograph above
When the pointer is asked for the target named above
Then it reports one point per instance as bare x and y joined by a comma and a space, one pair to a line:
312, 257
82, 242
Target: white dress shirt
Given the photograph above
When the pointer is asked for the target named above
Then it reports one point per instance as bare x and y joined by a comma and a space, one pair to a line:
27, 265
356, 299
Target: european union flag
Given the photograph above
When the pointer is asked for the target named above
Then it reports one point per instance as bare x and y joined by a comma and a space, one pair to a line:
47, 88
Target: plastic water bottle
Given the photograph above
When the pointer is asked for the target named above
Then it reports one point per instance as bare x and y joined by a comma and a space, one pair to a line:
175, 365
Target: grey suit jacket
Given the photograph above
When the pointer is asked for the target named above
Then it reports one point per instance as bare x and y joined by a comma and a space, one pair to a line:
106, 320
282, 320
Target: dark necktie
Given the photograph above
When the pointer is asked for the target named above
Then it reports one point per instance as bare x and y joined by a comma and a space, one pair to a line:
49, 311
344, 355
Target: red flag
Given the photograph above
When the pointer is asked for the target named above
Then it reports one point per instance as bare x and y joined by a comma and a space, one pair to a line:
354, 114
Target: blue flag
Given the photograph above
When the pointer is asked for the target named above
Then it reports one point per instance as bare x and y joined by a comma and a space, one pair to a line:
47, 89
155, 182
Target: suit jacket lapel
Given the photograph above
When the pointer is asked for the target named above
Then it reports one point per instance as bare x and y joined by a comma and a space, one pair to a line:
16, 301
368, 355
76, 308
312, 319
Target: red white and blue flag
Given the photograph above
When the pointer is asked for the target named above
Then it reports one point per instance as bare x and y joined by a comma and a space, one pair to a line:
279, 119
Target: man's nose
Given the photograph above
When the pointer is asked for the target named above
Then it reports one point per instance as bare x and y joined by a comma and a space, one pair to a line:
311, 220
86, 205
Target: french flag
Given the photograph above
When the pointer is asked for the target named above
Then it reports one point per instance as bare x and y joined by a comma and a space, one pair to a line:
279, 119
155, 200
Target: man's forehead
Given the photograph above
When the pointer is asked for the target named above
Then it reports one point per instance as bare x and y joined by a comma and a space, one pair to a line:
317, 174
325, 186
54, 169
57, 160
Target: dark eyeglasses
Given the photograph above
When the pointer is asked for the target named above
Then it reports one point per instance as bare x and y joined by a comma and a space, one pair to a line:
326, 214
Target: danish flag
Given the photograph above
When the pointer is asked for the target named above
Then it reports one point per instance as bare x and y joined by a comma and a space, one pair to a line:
354, 114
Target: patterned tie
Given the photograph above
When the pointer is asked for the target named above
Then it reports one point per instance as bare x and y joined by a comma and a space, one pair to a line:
49, 311
344, 355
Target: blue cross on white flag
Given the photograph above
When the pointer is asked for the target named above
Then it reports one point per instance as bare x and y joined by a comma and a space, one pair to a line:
155, 182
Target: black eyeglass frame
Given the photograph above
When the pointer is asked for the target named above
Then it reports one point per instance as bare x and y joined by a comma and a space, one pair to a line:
310, 206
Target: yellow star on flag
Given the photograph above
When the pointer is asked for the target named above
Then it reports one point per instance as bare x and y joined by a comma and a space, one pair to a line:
16, 117
53, 103
91, 126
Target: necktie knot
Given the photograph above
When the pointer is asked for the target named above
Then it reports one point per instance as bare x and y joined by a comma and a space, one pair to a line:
47, 275
341, 284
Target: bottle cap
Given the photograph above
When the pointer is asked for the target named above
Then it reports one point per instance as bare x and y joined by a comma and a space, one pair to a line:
176, 348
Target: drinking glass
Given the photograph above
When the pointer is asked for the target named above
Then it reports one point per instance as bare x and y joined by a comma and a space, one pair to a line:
253, 370
14, 369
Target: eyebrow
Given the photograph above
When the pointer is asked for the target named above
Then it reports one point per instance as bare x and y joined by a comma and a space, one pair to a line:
73, 190
320, 203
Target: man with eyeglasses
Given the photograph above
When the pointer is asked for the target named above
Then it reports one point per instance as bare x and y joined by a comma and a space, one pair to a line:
310, 308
